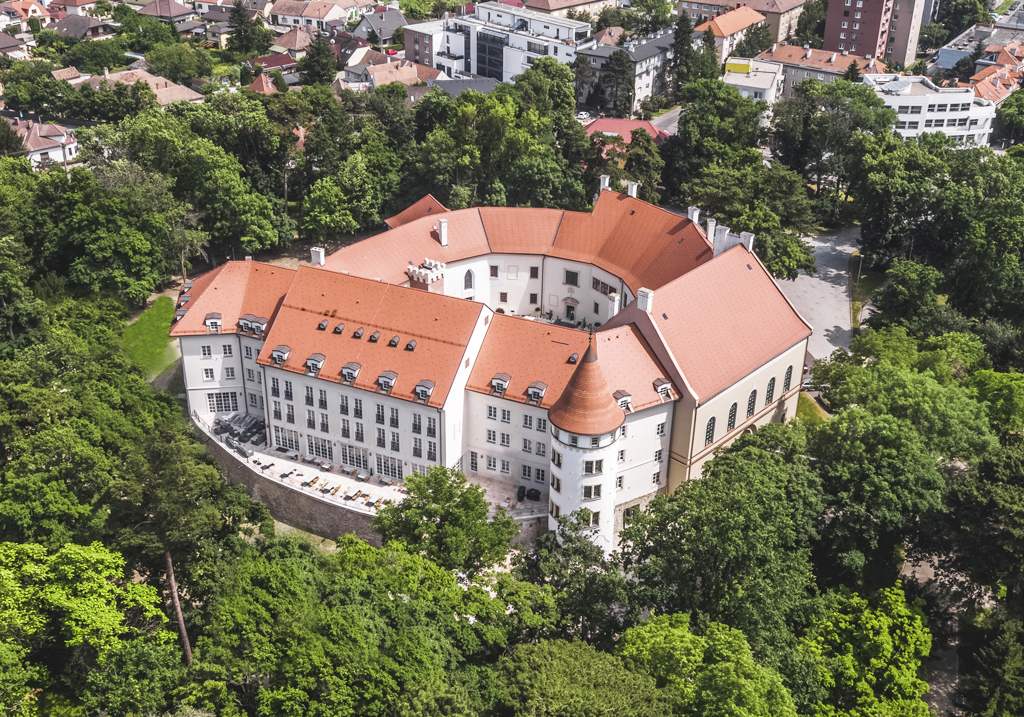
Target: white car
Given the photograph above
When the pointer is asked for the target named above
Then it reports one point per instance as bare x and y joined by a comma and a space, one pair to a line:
582, 116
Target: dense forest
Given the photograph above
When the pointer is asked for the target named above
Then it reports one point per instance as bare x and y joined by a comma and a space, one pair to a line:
770, 587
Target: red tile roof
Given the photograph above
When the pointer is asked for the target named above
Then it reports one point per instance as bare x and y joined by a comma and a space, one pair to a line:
232, 290
607, 237
724, 319
624, 129
440, 325
586, 405
732, 22
822, 60
263, 85
425, 206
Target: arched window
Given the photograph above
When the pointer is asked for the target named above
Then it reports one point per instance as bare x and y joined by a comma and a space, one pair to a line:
468, 283
732, 417
751, 402
788, 381
770, 393
709, 433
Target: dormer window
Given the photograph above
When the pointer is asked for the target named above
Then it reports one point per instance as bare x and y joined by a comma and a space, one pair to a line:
411, 346
624, 400
394, 341
179, 314
212, 322
280, 354
499, 384
574, 358
386, 381
184, 299
322, 326
374, 337
424, 389
664, 388
350, 370
314, 363
187, 285
339, 328
358, 334
245, 325
536, 391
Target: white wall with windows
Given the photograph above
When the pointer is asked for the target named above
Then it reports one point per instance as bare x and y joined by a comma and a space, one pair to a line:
583, 476
213, 374
511, 440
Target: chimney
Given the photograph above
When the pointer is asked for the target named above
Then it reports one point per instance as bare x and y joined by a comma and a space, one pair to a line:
317, 255
631, 189
833, 58
106, 72
774, 45
721, 240
693, 214
747, 240
442, 231
645, 300
605, 182
808, 55
712, 223
614, 304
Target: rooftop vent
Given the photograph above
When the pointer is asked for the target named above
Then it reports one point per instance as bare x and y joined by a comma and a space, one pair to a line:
339, 328
358, 334
411, 346
574, 358
322, 326
394, 341
374, 337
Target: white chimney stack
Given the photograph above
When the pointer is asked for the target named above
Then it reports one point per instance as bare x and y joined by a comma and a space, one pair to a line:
614, 304
442, 231
317, 255
605, 182
631, 188
645, 300
721, 240
712, 223
693, 214
747, 240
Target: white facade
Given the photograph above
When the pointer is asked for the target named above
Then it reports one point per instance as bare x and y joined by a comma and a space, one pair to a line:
922, 107
649, 55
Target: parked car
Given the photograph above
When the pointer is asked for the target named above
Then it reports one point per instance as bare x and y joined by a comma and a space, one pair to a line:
392, 52
582, 116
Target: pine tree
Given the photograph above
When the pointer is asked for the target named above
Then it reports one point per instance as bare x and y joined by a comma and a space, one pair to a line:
242, 40
852, 72
707, 66
681, 67
318, 66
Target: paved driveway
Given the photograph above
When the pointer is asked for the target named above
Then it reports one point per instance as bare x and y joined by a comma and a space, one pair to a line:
824, 299
668, 121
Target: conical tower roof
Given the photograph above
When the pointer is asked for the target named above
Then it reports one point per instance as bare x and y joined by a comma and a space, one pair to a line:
586, 406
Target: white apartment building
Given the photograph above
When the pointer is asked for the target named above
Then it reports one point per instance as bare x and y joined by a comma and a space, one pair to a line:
497, 41
649, 55
923, 107
756, 80
603, 357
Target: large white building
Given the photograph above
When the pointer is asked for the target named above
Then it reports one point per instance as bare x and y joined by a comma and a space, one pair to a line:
923, 107
601, 356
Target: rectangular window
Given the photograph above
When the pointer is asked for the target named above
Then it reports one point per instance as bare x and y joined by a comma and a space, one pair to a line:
542, 424
554, 510
417, 423
541, 449
556, 459
657, 456
229, 372
431, 450
346, 428
597, 309
320, 447
492, 463
355, 456
574, 441
222, 402
572, 278
492, 413
534, 272
289, 413
431, 427
325, 425
593, 467
359, 432
527, 421
207, 374
595, 442
627, 515
533, 300
275, 387
656, 480
344, 405
527, 445
492, 436
540, 475
506, 416
915, 110
357, 408
249, 374
903, 110
248, 352
503, 297
506, 440
207, 351
618, 483
661, 430
472, 461
595, 519
527, 472
389, 467
310, 418
277, 410
309, 395
379, 415
394, 418
556, 483
622, 455
286, 438
591, 492
494, 271
506, 466
622, 432
322, 403
382, 438
226, 349
288, 391
417, 447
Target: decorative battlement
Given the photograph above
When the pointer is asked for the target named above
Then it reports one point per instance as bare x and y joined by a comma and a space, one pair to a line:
428, 276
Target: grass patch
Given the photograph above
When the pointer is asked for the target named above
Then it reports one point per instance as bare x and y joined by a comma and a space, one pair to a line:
808, 410
659, 113
871, 279
1003, 7
146, 341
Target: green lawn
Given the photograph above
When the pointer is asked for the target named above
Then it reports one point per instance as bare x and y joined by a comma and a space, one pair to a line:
870, 280
808, 410
1003, 7
146, 341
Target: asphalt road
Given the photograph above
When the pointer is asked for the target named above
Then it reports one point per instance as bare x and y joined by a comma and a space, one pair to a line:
668, 121
824, 299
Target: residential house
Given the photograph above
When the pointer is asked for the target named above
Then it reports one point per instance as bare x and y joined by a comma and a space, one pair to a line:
782, 16
379, 27
294, 42
168, 11
83, 27
283, 62
222, 14
192, 28
45, 144
995, 83
165, 90
294, 13
13, 47
922, 107
802, 63
481, 85
70, 75
609, 36
261, 7
263, 85
9, 17
701, 12
27, 9
756, 80
729, 29
402, 71
75, 7
561, 8
622, 129
497, 41
649, 55
218, 33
